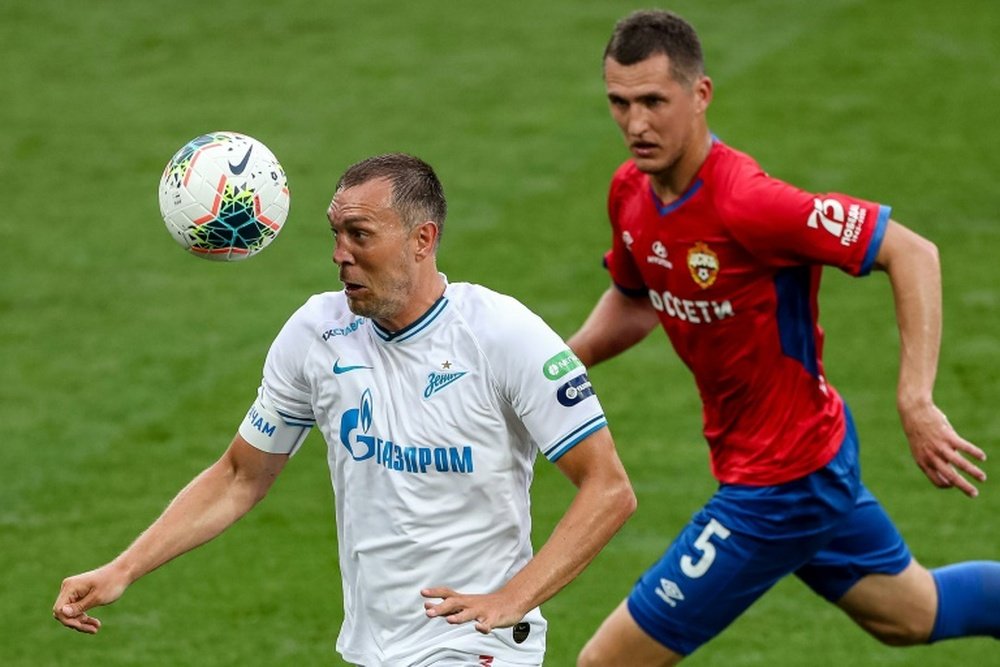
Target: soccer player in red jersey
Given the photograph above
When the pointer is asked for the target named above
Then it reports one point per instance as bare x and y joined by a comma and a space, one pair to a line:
728, 259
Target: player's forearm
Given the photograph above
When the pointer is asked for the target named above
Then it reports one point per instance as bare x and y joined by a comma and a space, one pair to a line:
916, 284
208, 505
597, 512
617, 323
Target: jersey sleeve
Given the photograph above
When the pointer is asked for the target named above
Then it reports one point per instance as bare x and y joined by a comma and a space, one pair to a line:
618, 260
543, 381
783, 225
280, 418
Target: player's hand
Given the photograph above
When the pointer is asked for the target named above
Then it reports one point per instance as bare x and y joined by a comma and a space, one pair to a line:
941, 453
85, 591
489, 611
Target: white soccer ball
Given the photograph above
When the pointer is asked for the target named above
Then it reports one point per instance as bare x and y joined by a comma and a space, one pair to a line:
224, 196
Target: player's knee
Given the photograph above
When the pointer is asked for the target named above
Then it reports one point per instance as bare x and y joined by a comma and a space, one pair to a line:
590, 656
598, 654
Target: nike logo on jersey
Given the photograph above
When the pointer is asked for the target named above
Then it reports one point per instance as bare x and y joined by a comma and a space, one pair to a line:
340, 370
238, 168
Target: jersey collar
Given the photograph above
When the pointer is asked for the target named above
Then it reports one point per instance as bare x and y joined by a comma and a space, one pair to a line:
696, 184
416, 327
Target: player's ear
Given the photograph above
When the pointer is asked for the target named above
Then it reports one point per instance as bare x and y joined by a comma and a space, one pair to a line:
702, 93
426, 237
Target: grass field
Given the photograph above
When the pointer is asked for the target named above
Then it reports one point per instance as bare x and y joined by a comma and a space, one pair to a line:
127, 363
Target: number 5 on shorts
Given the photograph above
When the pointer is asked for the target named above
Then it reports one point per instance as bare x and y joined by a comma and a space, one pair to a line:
695, 569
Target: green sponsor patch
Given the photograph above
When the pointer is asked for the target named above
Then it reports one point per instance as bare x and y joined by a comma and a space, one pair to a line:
560, 364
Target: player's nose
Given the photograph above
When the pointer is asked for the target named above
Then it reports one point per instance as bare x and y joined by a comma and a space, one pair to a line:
341, 255
636, 123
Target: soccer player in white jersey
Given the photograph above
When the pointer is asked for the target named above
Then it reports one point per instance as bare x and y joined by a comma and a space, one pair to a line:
434, 400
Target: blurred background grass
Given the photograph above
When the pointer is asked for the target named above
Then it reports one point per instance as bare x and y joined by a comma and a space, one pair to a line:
127, 363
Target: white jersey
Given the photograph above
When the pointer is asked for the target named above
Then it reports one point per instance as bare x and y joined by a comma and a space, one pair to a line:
432, 433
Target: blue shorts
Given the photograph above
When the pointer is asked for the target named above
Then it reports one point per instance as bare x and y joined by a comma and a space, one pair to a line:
826, 528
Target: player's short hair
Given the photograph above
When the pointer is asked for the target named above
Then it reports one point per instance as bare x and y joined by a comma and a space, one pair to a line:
646, 33
417, 194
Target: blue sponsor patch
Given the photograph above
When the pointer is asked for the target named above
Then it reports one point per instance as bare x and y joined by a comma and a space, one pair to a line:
575, 390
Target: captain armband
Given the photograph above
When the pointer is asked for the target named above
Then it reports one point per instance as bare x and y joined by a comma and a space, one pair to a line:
271, 431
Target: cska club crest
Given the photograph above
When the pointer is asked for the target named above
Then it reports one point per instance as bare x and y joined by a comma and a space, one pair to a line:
703, 264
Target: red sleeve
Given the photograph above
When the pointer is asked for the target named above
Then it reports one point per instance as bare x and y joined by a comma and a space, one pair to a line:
618, 260
784, 226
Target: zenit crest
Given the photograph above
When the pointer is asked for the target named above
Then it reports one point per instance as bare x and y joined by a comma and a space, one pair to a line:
703, 264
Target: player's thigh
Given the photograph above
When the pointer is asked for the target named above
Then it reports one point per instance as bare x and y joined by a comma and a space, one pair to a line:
708, 577
865, 543
620, 642
868, 571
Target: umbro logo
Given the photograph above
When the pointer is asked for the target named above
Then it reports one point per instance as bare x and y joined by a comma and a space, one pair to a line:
669, 592
340, 370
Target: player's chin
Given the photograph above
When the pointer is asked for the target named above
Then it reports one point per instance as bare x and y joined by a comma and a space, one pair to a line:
357, 300
649, 162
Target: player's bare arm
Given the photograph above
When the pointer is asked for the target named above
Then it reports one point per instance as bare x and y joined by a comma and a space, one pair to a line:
617, 323
913, 267
209, 504
601, 506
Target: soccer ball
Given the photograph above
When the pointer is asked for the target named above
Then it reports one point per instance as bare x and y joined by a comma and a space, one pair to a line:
224, 196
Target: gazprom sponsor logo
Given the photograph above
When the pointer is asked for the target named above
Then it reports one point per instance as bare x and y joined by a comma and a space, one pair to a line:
362, 443
344, 331
560, 365
259, 423
575, 390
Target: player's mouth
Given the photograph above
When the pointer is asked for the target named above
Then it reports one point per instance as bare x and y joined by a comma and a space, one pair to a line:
351, 289
643, 149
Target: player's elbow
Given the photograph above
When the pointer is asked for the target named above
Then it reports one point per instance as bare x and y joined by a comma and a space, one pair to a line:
622, 502
903, 248
927, 251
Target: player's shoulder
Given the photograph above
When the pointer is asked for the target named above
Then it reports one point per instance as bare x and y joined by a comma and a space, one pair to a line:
491, 316
627, 180
509, 336
481, 305
731, 166
325, 314
737, 180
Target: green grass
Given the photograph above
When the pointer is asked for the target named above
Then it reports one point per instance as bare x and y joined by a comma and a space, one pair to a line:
127, 364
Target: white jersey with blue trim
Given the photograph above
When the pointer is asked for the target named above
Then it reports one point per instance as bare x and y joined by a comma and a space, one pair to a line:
432, 433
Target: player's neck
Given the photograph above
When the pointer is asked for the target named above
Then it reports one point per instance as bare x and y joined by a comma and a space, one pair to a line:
428, 288
673, 182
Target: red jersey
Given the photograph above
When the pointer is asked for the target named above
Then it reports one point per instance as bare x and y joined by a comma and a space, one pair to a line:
732, 268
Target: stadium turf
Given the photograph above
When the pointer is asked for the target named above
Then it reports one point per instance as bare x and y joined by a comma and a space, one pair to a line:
127, 363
